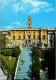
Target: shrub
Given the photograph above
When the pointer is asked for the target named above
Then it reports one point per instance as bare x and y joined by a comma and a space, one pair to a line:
49, 56
44, 64
6, 52
16, 51
14, 69
36, 62
3, 50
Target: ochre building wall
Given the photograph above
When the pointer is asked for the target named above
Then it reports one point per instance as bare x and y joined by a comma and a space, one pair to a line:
38, 35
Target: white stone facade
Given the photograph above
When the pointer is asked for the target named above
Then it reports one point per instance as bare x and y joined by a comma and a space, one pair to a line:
8, 35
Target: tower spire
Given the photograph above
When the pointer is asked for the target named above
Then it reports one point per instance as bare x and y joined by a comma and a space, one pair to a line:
29, 22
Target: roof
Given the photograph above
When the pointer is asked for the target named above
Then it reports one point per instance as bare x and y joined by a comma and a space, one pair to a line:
5, 31
23, 29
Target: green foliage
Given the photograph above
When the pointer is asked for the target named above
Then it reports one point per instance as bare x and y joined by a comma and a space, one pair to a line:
16, 51
14, 69
4, 40
44, 64
36, 63
6, 52
8, 64
2, 67
49, 56
3, 50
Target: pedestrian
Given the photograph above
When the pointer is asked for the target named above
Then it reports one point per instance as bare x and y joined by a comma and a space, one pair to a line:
28, 71
22, 63
19, 69
21, 60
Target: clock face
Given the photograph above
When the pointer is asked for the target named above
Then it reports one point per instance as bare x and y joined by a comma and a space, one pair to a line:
29, 19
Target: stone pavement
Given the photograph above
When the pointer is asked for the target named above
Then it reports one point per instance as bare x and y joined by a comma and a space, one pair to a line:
25, 64
2, 75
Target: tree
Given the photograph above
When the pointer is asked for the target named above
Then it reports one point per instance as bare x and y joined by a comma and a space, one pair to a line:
36, 63
16, 51
3, 40
49, 56
43, 64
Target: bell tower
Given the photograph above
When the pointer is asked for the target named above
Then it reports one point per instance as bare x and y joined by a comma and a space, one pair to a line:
29, 22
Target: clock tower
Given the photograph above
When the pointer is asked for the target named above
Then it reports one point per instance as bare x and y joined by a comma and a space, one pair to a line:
29, 22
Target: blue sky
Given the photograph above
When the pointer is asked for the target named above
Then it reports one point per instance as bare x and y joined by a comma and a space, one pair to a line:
14, 13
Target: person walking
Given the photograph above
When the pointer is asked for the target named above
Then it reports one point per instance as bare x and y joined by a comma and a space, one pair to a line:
19, 69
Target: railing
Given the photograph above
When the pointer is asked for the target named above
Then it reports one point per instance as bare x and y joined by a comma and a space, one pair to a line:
17, 66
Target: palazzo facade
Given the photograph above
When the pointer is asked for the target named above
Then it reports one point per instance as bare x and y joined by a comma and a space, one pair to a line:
29, 35
8, 35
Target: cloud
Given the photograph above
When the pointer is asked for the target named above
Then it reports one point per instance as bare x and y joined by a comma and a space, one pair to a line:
29, 6
8, 27
17, 23
21, 8
16, 6
35, 3
35, 10
49, 10
32, 6
13, 25
26, 1
39, 3
4, 3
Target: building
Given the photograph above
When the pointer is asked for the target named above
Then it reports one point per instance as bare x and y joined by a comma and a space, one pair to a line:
29, 35
8, 35
51, 37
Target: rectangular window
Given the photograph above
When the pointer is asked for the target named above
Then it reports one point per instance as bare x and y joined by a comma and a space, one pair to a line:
43, 36
23, 37
33, 37
24, 33
51, 36
13, 31
38, 37
34, 32
29, 19
29, 41
43, 31
19, 37
28, 37
13, 37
